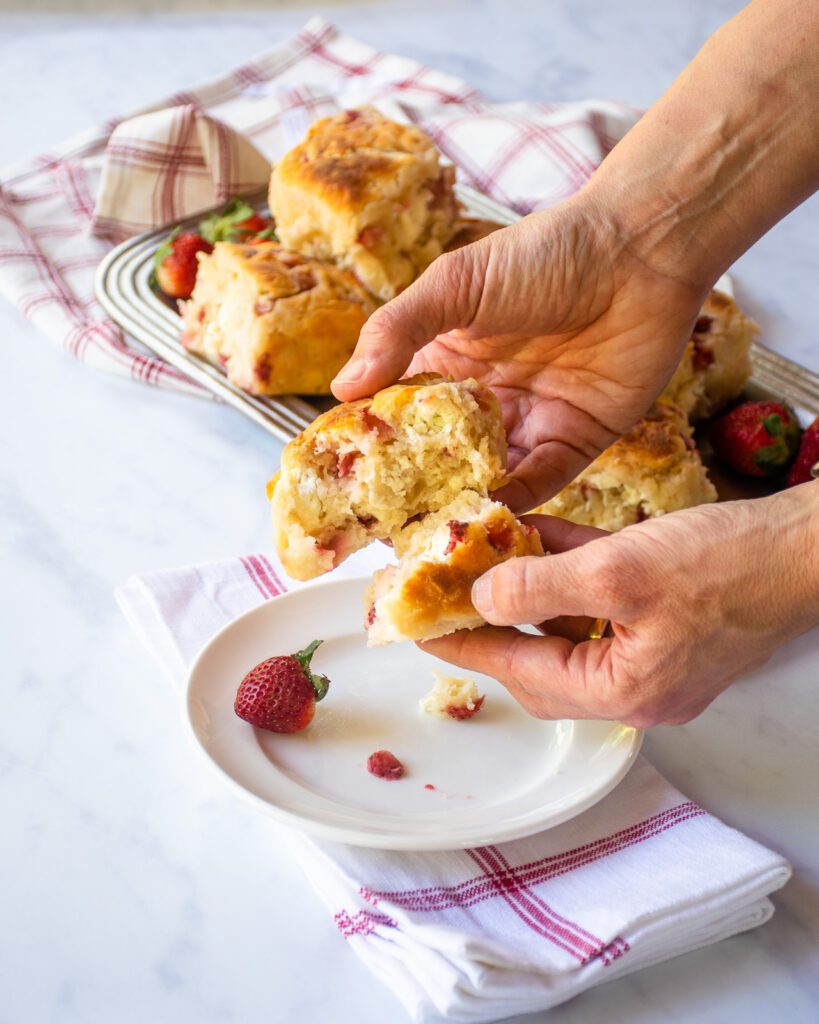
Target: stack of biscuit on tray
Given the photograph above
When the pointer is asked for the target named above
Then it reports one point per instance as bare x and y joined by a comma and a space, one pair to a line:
361, 207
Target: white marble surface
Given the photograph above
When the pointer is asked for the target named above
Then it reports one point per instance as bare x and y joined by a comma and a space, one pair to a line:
132, 888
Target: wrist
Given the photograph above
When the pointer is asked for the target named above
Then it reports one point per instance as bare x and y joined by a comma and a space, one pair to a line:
794, 513
727, 151
658, 228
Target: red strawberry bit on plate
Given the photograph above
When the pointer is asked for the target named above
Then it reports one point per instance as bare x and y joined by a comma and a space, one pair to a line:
175, 263
757, 438
808, 456
280, 694
457, 532
429, 786
385, 765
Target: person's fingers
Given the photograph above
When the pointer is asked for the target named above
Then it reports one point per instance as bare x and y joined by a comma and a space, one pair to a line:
587, 580
561, 534
546, 469
575, 628
549, 676
444, 297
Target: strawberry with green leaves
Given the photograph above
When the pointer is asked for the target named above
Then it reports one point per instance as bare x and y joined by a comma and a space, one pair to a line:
175, 262
239, 222
757, 438
280, 694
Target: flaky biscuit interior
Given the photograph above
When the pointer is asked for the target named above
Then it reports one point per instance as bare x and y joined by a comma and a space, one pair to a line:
362, 469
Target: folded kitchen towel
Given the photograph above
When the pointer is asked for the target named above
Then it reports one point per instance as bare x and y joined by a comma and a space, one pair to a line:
482, 934
62, 212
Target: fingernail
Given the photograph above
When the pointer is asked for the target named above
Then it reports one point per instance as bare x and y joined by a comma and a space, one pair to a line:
482, 593
352, 372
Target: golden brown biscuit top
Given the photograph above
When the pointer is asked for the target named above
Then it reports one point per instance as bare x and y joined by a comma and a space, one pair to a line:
657, 443
279, 273
349, 155
442, 589
364, 129
382, 409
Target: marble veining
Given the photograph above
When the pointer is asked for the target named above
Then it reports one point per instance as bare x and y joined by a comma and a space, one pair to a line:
133, 888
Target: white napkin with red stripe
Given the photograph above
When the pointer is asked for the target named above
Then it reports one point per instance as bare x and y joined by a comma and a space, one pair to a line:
61, 212
482, 934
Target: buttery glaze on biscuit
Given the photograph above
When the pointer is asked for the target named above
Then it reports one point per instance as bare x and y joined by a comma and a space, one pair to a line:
278, 322
429, 592
653, 469
369, 194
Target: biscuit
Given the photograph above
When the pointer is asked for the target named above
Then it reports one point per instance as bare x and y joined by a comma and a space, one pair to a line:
653, 469
278, 323
429, 593
716, 363
368, 194
362, 469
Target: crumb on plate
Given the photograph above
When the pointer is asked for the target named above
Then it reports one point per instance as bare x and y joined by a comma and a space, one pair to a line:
453, 697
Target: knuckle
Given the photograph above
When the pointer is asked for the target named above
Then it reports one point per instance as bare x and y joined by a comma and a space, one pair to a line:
380, 325
617, 576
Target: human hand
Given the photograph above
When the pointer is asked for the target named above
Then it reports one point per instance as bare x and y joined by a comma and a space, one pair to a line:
695, 598
574, 332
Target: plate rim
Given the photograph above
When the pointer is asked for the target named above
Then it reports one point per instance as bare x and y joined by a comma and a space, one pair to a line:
372, 839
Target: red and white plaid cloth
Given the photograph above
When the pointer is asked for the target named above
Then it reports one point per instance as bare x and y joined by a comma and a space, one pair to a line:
482, 934
61, 212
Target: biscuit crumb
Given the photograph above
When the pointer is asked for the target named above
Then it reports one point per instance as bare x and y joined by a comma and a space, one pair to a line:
453, 697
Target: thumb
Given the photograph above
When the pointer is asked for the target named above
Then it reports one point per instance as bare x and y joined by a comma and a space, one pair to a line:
444, 297
535, 588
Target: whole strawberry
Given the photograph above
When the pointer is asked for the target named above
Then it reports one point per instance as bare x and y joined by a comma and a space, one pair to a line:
175, 263
280, 694
808, 456
757, 438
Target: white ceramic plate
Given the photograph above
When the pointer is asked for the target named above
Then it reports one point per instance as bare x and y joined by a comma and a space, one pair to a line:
497, 776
